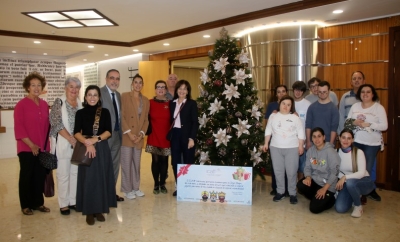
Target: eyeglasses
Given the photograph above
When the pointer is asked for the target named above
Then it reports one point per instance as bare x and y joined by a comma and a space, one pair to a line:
313, 86
160, 87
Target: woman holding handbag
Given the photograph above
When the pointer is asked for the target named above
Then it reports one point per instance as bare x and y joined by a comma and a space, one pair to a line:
31, 124
184, 126
96, 187
62, 120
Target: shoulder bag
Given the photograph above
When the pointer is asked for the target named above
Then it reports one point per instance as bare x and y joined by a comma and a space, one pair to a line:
169, 134
79, 156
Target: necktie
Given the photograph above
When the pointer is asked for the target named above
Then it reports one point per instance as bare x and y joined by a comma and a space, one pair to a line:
116, 128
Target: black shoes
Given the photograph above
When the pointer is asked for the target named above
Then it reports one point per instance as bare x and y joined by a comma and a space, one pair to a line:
163, 189
374, 196
64, 212
272, 193
278, 197
293, 199
90, 219
175, 193
99, 217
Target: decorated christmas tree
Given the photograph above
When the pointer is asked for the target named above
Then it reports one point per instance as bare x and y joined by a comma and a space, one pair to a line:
230, 113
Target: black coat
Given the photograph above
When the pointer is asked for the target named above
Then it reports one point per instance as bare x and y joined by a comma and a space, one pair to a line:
189, 120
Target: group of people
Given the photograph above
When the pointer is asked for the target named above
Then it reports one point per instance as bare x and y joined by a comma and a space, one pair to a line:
112, 128
301, 136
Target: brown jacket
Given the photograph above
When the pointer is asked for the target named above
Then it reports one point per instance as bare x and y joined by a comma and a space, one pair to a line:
130, 119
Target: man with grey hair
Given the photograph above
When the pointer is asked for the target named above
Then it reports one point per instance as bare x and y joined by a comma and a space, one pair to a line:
111, 99
172, 79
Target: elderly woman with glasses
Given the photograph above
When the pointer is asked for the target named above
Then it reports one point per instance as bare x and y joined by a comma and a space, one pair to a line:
62, 120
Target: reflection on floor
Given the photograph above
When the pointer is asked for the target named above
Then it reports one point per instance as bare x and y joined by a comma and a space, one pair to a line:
161, 218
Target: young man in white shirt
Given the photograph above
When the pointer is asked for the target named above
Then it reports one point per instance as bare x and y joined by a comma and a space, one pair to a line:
301, 106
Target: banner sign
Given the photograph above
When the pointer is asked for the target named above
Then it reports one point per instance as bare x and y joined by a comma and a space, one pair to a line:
215, 184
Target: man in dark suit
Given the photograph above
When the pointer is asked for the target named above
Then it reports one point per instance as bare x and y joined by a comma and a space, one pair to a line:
111, 99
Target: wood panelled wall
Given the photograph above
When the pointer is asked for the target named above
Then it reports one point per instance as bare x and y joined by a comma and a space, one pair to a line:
182, 54
358, 46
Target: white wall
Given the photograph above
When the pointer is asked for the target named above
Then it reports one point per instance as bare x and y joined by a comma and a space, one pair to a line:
8, 147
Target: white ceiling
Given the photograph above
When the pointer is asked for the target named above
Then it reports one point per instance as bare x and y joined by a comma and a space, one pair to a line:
142, 19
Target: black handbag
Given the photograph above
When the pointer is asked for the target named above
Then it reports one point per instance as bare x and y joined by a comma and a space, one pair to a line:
79, 156
49, 185
46, 159
149, 129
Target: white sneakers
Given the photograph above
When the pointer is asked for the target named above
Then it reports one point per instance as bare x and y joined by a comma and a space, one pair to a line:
130, 195
138, 193
133, 194
357, 211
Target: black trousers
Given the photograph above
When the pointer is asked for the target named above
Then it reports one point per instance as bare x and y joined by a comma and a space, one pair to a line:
31, 181
159, 168
316, 205
180, 153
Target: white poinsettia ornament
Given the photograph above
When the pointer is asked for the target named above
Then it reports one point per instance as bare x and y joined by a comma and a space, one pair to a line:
203, 120
254, 112
242, 127
215, 107
243, 57
221, 137
240, 76
255, 156
203, 157
204, 76
231, 91
220, 65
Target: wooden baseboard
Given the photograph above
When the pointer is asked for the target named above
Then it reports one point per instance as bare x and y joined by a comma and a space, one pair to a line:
2, 129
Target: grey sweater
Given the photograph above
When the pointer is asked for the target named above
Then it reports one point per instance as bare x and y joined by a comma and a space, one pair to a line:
323, 165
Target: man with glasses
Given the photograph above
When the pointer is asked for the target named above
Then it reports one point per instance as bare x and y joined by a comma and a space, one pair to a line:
324, 114
111, 99
313, 96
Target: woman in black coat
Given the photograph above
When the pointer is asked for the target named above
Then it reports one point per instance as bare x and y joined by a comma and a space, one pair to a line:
184, 124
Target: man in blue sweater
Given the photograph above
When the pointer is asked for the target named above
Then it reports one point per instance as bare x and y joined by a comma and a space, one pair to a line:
324, 114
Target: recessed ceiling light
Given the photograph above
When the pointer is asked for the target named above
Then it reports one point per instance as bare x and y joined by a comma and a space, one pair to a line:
105, 54
90, 46
37, 42
206, 36
84, 59
135, 50
166, 44
13, 51
44, 53
337, 11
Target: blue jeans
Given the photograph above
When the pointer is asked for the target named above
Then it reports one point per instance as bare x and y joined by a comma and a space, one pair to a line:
302, 162
351, 193
370, 153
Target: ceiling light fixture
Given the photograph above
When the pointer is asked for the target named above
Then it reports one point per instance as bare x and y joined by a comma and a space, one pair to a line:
84, 59
206, 36
105, 54
166, 44
72, 18
337, 11
90, 46
44, 53
135, 50
37, 42
13, 52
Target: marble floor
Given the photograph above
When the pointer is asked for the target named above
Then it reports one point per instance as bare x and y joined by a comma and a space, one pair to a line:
161, 218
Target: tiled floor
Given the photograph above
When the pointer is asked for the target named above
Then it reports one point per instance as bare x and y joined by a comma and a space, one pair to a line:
161, 218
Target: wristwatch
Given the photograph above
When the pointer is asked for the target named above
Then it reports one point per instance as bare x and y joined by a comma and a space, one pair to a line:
98, 138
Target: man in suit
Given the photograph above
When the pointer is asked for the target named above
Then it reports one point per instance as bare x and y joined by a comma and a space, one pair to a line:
172, 79
111, 99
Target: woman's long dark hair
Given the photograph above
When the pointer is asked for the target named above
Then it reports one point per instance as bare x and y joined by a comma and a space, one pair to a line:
92, 87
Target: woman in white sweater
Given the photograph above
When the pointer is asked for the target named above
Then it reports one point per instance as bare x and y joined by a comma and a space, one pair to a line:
354, 178
287, 141
369, 118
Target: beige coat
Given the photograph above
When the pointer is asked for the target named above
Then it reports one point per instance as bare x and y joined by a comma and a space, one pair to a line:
130, 119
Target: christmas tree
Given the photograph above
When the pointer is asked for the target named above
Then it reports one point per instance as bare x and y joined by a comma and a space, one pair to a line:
230, 113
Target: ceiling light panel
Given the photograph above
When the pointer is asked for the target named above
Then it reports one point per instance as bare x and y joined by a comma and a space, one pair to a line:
65, 24
82, 14
100, 22
48, 16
